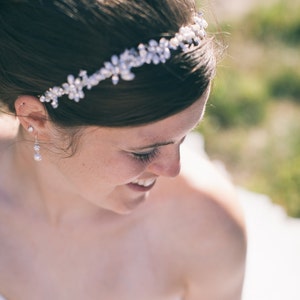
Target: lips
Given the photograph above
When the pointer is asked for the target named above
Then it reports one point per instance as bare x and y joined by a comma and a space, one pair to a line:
142, 185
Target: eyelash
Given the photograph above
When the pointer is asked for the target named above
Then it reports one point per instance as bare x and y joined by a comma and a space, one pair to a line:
149, 156
146, 157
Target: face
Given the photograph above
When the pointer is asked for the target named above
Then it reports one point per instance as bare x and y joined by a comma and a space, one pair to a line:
115, 168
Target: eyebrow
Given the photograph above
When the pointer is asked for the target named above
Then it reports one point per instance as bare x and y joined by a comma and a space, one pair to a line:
155, 145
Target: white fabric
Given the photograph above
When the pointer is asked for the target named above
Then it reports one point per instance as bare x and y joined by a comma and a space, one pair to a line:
273, 266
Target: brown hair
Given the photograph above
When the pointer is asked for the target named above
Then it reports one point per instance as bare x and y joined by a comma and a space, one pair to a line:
41, 42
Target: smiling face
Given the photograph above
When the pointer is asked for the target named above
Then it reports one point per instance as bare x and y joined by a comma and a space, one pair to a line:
115, 168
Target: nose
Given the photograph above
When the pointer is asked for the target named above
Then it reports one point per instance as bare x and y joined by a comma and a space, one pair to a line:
168, 162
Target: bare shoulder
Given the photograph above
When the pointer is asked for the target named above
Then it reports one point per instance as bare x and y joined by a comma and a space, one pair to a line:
206, 231
202, 195
204, 206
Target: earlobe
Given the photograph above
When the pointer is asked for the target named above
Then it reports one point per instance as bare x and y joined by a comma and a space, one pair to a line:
31, 112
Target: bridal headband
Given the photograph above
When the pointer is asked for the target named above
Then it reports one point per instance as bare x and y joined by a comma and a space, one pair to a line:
120, 66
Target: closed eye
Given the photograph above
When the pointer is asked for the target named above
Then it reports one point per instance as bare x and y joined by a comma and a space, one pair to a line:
146, 157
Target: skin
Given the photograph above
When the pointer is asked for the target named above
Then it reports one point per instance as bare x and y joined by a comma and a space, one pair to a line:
76, 228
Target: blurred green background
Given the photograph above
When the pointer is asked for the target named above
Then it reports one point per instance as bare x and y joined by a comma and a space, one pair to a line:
252, 122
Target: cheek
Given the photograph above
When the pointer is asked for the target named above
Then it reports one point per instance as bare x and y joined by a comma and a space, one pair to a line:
115, 169
123, 170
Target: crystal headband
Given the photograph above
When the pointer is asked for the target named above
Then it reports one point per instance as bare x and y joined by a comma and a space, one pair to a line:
120, 66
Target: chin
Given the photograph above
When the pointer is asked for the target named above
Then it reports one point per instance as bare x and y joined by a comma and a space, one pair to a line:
127, 207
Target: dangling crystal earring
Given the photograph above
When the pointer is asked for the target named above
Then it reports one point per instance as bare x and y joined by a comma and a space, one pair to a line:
37, 155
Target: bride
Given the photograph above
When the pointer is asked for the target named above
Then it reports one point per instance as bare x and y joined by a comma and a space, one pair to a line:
93, 201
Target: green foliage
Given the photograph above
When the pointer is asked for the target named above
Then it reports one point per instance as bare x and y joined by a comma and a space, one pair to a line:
285, 84
286, 186
280, 21
238, 101
252, 120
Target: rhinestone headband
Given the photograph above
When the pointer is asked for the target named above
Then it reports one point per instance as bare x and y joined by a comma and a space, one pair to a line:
154, 52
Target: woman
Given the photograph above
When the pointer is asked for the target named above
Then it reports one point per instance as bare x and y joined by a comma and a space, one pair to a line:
105, 93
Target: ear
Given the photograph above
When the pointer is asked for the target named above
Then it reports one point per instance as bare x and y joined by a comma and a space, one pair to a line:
31, 112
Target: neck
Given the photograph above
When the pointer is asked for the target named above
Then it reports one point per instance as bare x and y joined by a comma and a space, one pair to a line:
40, 189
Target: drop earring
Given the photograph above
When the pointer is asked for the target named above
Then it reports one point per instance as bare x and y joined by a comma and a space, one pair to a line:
37, 155
36, 147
